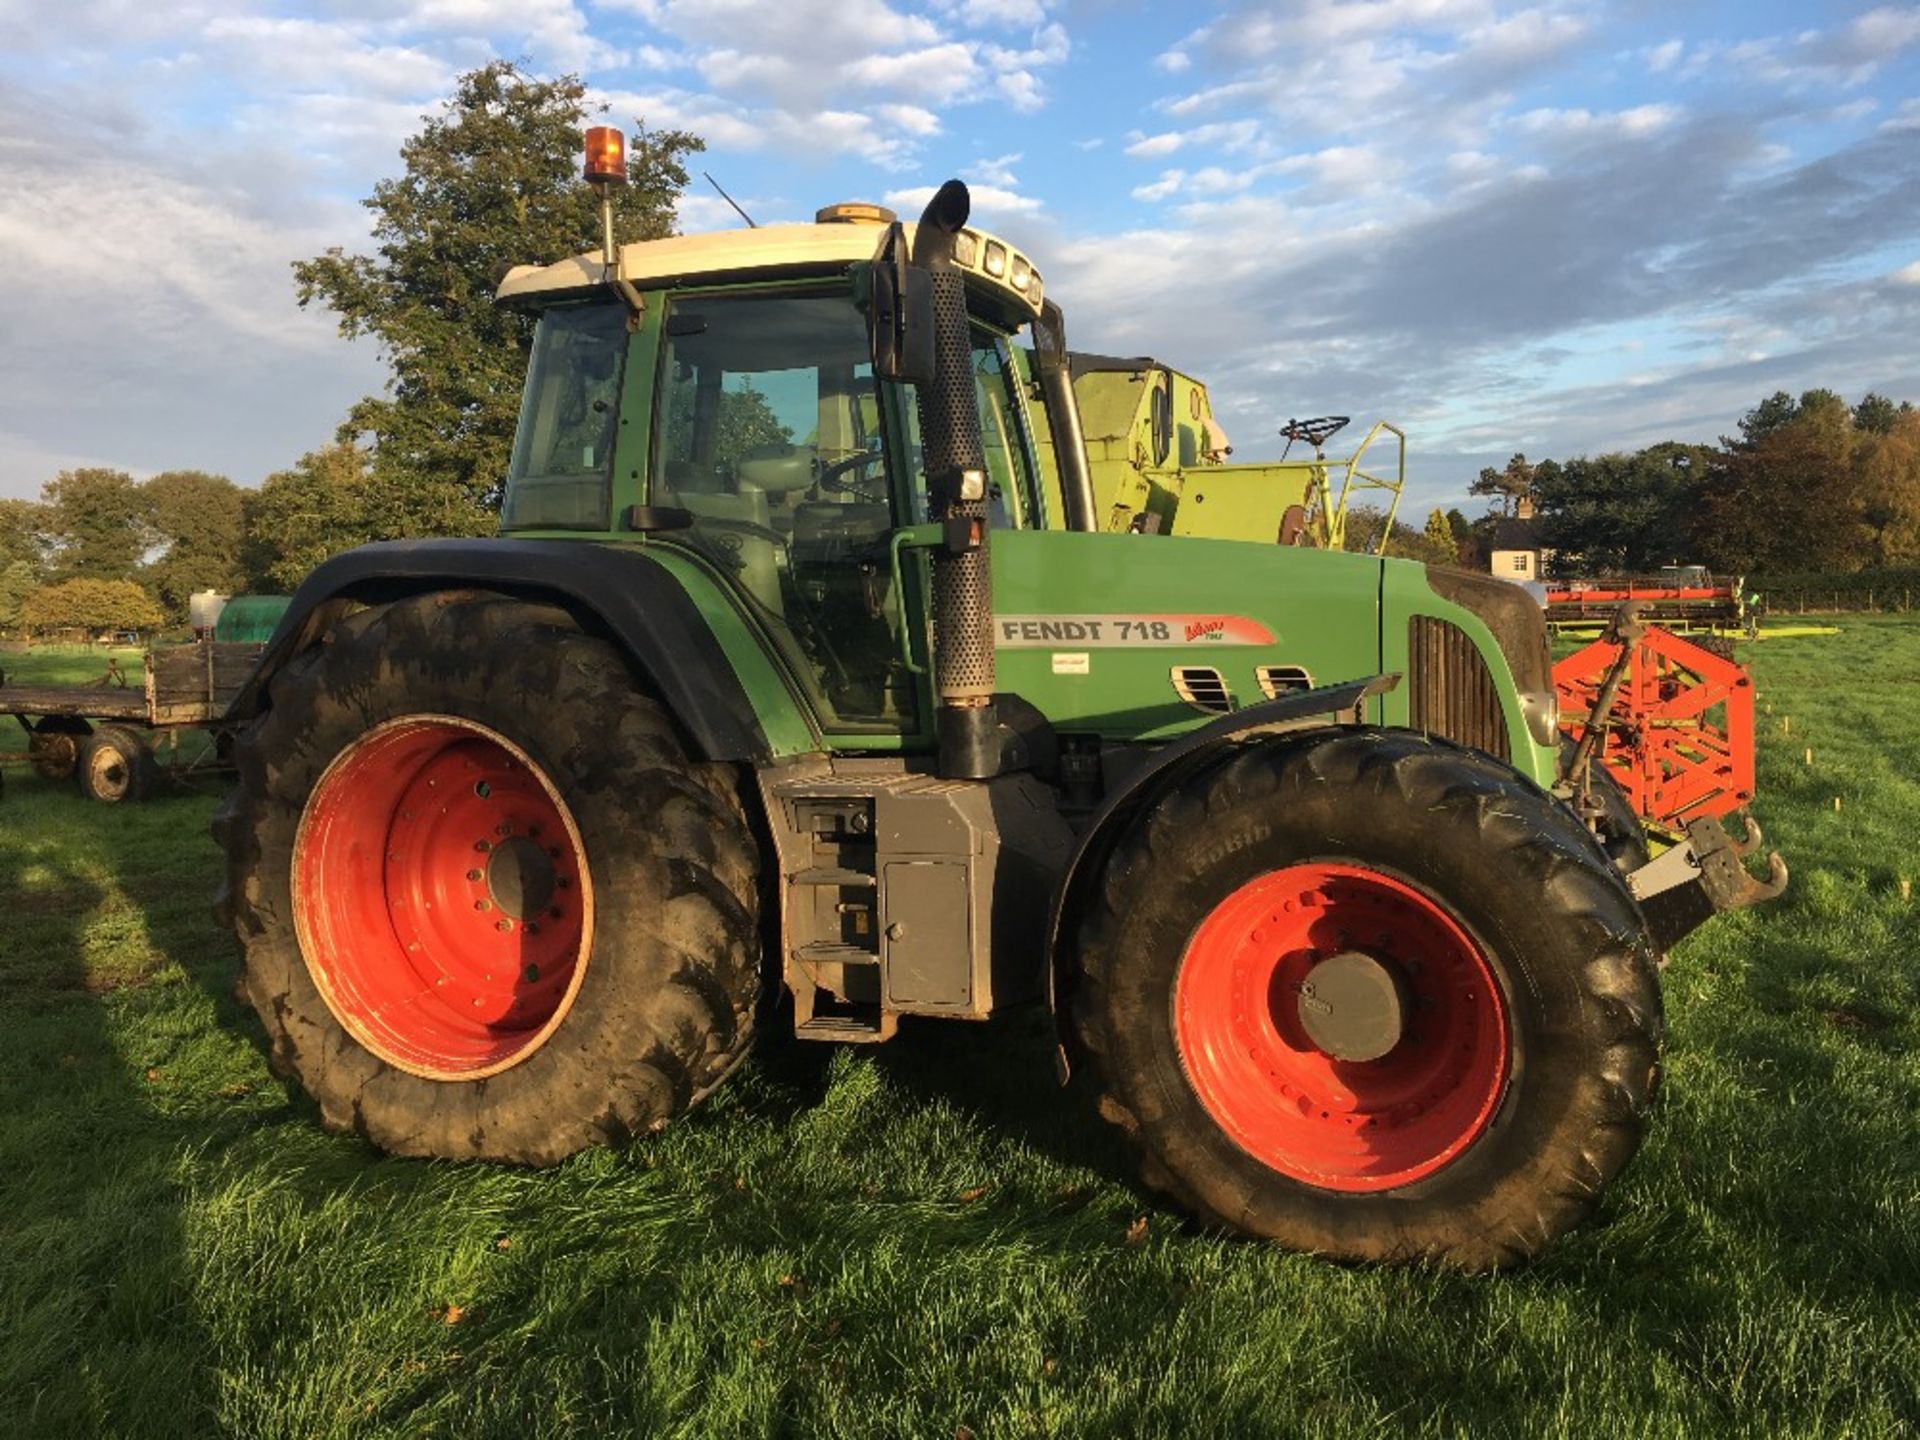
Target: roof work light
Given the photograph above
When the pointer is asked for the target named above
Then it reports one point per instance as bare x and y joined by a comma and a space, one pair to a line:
606, 155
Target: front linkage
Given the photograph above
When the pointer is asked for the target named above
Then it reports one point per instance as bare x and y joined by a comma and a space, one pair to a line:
1702, 873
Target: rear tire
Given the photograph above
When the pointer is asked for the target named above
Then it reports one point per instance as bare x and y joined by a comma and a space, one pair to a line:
1492, 1121
560, 945
116, 767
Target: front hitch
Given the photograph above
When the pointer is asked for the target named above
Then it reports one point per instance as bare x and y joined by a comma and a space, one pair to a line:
1704, 874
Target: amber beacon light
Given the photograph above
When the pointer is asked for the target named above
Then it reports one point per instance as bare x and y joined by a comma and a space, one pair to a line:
606, 155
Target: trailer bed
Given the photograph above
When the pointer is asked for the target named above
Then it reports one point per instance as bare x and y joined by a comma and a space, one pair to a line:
182, 685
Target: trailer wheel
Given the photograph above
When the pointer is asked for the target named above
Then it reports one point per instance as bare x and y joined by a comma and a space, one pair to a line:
115, 766
1373, 996
54, 746
490, 907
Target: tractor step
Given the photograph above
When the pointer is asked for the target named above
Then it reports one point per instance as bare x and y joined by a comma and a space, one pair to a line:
893, 884
849, 1029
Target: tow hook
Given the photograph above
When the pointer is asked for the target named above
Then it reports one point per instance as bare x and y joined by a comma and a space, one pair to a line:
1704, 874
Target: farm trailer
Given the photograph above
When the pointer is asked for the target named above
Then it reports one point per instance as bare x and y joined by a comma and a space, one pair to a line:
803, 683
111, 735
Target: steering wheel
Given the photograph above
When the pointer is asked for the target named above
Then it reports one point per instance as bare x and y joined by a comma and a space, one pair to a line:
829, 476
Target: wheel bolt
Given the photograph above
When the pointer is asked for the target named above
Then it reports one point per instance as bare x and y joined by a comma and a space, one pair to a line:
483, 905
483, 846
503, 925
473, 874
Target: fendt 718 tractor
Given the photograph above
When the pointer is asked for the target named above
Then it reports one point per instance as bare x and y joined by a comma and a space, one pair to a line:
797, 685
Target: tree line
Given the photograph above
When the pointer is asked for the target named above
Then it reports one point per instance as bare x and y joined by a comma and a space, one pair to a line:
490, 182
1810, 484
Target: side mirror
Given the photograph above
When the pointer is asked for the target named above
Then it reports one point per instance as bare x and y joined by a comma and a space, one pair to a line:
900, 313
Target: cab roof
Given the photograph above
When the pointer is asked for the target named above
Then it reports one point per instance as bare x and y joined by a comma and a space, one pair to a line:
746, 254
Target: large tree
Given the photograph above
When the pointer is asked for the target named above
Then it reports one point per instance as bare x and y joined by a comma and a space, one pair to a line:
1789, 494
1607, 514
300, 516
1890, 485
23, 537
195, 523
490, 182
1507, 486
16, 584
91, 605
94, 525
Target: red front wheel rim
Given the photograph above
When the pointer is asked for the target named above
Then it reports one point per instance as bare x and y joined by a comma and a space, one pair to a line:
1341, 1124
441, 897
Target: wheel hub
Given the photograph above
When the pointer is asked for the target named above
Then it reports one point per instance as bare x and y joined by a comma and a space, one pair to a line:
442, 897
1353, 1006
520, 878
1342, 1026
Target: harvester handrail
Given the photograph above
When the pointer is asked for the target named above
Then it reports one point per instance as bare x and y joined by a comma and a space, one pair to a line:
1358, 478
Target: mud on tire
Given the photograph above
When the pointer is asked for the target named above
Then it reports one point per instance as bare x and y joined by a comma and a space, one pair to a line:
662, 983
1425, 840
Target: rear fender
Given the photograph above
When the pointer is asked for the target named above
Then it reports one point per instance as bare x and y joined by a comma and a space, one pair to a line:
683, 638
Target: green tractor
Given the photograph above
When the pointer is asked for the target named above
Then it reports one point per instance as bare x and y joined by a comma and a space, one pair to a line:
805, 685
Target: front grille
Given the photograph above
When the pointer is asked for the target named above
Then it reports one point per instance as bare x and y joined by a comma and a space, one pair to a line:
1451, 692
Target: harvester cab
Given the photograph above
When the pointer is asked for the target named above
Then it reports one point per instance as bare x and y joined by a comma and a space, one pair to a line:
807, 680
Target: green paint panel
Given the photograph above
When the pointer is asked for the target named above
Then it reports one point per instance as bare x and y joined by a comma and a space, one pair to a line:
1077, 618
751, 654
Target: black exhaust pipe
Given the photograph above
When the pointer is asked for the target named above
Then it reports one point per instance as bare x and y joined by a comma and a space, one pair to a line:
966, 726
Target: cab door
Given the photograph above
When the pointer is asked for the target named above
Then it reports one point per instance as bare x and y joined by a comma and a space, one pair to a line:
770, 429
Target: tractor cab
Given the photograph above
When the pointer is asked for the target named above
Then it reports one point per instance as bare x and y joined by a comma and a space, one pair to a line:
736, 412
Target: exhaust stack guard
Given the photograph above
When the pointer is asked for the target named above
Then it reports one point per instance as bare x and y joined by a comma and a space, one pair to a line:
966, 723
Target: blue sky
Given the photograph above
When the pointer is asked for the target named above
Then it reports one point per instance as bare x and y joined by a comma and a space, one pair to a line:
1551, 227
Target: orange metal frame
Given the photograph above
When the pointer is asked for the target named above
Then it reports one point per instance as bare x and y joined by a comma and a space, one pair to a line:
1680, 735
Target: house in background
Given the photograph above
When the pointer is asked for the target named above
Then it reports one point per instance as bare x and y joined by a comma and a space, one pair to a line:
1516, 553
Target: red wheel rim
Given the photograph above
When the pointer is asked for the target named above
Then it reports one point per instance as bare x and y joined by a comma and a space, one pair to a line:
441, 897
1348, 1125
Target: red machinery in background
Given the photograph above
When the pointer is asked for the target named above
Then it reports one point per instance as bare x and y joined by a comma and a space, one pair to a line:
1683, 596
1676, 722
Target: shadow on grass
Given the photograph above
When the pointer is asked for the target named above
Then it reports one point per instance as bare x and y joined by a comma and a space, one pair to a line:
102, 1332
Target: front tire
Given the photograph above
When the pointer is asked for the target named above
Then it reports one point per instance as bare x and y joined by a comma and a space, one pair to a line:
490, 908
1373, 996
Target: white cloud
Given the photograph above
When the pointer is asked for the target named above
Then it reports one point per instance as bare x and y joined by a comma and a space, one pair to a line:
1228, 135
1642, 120
1907, 274
1662, 58
1166, 186
990, 202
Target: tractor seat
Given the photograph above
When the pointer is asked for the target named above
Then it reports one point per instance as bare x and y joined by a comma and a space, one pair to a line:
776, 469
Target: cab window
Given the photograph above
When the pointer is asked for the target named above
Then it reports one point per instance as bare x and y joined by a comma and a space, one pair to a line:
563, 448
1010, 486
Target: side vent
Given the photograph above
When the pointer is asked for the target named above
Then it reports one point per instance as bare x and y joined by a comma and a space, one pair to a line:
1452, 695
1278, 680
1203, 687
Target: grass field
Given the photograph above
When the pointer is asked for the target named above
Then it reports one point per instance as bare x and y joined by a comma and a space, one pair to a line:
930, 1239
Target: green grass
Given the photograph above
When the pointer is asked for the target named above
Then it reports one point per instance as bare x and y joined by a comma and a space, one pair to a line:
930, 1239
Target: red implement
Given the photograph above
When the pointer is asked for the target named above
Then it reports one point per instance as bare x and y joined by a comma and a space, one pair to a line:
1680, 734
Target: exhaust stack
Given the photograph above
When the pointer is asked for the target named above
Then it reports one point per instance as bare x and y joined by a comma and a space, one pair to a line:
966, 724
